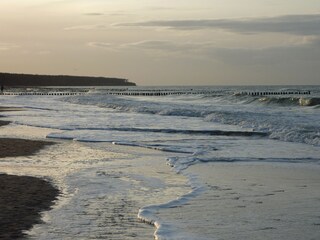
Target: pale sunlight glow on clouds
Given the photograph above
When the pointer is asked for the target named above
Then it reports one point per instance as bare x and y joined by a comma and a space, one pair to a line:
153, 42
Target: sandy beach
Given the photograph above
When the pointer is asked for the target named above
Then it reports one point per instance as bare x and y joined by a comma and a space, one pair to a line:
258, 201
22, 198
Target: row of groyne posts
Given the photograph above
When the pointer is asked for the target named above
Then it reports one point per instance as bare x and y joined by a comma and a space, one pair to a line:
122, 92
42, 93
162, 92
204, 92
268, 93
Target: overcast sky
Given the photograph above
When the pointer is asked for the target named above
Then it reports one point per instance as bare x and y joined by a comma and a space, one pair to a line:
165, 42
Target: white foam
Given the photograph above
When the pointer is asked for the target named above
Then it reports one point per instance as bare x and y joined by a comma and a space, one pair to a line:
148, 214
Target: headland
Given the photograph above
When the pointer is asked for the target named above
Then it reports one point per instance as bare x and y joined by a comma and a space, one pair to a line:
35, 80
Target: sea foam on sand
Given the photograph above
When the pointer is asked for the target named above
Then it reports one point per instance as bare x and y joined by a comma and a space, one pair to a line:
103, 186
251, 201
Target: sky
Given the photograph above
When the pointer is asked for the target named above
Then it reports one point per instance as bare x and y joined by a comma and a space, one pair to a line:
165, 42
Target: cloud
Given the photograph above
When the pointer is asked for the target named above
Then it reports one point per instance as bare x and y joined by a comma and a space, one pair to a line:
104, 45
289, 24
94, 14
170, 48
306, 50
100, 44
167, 45
86, 27
7, 46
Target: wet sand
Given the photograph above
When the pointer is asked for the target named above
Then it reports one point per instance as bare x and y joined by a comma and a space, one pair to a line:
252, 201
13, 147
3, 123
22, 198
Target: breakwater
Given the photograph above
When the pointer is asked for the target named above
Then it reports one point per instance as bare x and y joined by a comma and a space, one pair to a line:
42, 93
153, 92
268, 93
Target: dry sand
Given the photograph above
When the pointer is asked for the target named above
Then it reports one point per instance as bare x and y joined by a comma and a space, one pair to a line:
22, 198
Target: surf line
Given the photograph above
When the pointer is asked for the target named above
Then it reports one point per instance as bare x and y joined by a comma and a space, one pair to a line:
147, 214
274, 93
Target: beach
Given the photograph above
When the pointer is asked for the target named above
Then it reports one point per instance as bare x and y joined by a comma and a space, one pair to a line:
104, 170
22, 198
252, 201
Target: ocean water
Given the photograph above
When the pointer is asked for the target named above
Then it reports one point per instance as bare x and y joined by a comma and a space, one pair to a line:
138, 166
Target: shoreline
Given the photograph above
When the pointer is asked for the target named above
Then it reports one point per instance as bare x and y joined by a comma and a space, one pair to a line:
104, 185
22, 198
6, 109
28, 217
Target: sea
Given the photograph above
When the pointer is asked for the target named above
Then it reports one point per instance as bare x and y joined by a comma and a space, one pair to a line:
188, 163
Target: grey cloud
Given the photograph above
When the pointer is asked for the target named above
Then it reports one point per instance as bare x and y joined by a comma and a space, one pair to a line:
7, 46
119, 13
86, 27
100, 44
94, 14
307, 51
105, 46
290, 24
174, 49
168, 46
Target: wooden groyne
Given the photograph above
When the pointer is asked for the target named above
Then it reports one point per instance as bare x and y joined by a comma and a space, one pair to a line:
42, 93
268, 93
204, 92
115, 91
121, 92
151, 92
162, 92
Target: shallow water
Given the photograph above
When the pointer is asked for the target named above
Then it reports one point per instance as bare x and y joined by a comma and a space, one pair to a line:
177, 162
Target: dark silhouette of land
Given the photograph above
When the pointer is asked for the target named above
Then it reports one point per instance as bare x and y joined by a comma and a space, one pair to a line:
31, 80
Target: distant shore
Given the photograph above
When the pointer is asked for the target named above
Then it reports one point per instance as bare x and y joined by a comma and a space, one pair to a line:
22, 198
37, 80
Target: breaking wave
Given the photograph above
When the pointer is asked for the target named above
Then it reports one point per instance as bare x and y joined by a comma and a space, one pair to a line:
260, 114
290, 101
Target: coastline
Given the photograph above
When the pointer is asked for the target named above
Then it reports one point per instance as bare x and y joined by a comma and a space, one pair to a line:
104, 185
5, 109
259, 200
22, 198
62, 162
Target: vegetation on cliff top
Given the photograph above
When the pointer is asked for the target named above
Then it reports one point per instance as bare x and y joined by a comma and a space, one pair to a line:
30, 80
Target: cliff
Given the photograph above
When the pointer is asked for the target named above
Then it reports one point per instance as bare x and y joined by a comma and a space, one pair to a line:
31, 80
